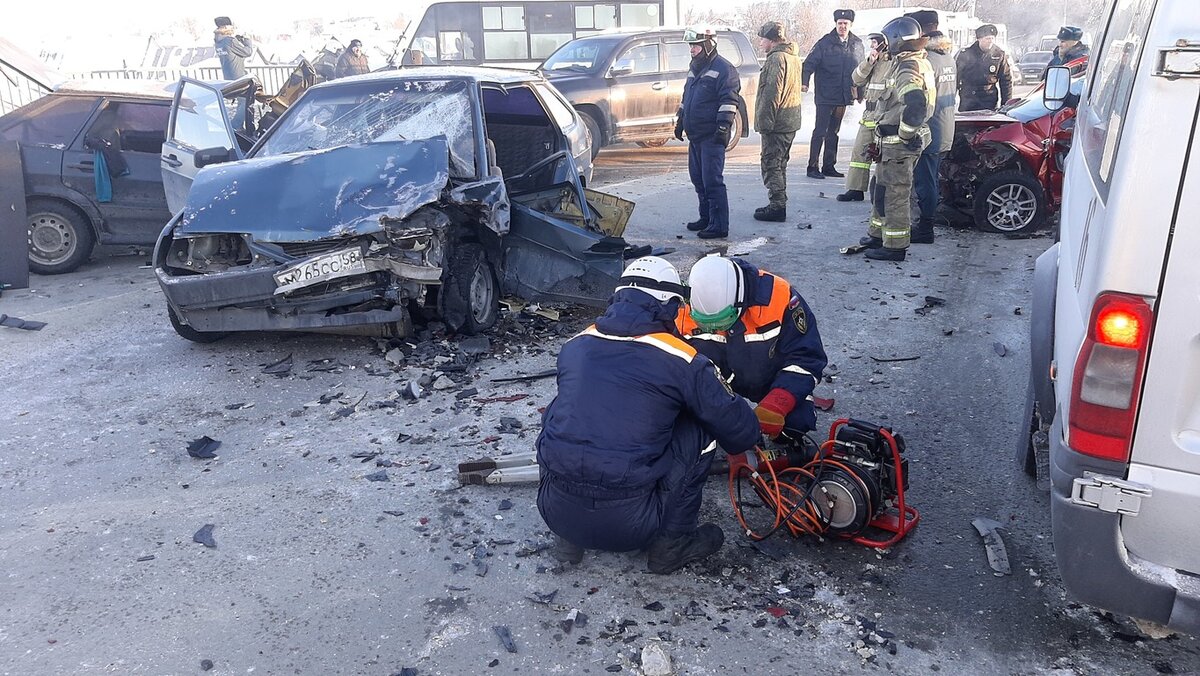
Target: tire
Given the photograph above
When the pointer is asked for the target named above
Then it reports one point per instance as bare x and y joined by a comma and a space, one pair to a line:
735, 133
593, 130
469, 300
1026, 456
60, 237
191, 334
1010, 202
655, 143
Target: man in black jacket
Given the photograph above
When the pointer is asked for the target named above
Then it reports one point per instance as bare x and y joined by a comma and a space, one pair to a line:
1069, 48
832, 60
983, 72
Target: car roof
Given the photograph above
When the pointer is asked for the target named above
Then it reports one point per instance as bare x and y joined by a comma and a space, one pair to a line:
142, 89
479, 74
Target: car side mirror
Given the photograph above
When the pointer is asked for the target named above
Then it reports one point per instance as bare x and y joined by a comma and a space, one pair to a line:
617, 71
1058, 87
208, 156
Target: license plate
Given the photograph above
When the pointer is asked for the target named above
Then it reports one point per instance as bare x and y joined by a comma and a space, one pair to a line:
320, 269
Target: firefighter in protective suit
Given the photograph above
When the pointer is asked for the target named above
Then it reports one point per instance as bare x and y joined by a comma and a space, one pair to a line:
706, 115
762, 336
902, 133
870, 77
628, 441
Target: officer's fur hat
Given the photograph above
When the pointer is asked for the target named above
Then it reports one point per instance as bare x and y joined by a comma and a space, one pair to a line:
928, 19
1070, 33
774, 31
847, 14
986, 30
223, 21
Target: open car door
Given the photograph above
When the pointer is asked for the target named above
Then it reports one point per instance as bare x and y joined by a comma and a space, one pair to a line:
202, 117
557, 247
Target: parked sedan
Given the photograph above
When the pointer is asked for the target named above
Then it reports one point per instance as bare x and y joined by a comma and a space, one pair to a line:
430, 190
1032, 65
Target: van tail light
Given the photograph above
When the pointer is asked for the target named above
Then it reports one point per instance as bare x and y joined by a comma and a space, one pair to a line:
1108, 376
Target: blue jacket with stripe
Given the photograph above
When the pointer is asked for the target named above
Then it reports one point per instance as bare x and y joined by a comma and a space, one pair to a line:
775, 343
710, 97
623, 386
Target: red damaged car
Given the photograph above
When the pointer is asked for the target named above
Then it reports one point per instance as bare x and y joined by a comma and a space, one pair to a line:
1004, 170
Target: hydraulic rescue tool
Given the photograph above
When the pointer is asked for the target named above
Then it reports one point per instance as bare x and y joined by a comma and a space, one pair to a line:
852, 483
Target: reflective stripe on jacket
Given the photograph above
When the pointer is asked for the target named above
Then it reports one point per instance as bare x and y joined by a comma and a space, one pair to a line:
871, 79
911, 71
775, 343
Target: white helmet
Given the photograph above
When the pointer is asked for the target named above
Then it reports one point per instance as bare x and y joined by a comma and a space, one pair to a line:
654, 276
717, 291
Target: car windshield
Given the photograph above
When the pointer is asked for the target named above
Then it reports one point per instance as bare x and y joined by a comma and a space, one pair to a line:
584, 56
1037, 58
1032, 106
380, 110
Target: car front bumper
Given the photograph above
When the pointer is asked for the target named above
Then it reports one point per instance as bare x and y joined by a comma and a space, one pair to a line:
1093, 561
245, 300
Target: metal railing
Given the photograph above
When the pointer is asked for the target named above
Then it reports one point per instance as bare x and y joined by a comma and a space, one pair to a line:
17, 92
270, 77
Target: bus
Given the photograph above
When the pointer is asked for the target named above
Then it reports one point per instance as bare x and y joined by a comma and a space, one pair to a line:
521, 34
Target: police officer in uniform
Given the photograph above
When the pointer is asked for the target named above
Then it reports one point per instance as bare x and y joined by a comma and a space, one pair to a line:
902, 133
941, 125
628, 440
776, 115
870, 78
706, 114
762, 336
1069, 47
983, 73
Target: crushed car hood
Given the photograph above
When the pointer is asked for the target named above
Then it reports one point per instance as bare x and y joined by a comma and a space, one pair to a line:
337, 192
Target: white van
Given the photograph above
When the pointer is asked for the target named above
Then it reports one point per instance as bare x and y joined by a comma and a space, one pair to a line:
1115, 372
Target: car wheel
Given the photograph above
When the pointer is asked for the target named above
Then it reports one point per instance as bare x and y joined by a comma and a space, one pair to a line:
470, 294
1009, 202
60, 238
735, 134
191, 334
593, 130
655, 143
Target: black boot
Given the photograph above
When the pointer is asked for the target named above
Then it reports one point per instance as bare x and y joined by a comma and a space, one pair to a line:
565, 552
851, 196
697, 225
883, 254
771, 213
832, 172
668, 552
871, 242
714, 232
814, 172
922, 232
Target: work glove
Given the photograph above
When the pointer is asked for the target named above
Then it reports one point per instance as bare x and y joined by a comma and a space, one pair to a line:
773, 410
913, 143
679, 128
873, 154
722, 135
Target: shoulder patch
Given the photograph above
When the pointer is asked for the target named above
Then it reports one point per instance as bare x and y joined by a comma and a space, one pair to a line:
799, 317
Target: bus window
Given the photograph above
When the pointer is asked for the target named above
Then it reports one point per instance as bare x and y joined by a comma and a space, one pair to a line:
639, 15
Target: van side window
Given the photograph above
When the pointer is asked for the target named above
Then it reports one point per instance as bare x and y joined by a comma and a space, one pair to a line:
1115, 65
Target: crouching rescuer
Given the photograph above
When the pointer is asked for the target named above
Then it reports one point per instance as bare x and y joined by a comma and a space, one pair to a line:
762, 335
628, 441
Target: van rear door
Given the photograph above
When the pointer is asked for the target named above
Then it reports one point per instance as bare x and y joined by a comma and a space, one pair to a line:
1166, 444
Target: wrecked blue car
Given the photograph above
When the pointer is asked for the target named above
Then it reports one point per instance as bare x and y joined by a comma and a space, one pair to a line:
427, 192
